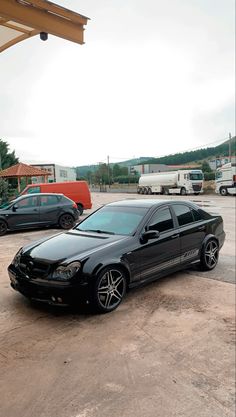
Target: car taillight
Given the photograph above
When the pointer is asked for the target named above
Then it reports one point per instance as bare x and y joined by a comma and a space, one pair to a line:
75, 206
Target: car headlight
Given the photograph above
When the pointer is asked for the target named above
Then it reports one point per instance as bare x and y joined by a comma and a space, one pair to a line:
64, 273
17, 257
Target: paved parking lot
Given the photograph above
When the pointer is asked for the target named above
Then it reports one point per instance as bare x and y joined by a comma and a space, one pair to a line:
167, 351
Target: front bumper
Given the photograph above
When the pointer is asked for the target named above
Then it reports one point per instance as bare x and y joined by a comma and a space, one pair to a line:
55, 293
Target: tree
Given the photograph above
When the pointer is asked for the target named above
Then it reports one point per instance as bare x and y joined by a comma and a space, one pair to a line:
4, 191
206, 167
6, 158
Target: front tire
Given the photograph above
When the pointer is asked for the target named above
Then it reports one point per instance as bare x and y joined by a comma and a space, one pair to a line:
183, 191
210, 255
66, 221
223, 191
109, 289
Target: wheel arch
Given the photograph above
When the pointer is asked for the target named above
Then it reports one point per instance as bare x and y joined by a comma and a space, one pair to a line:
113, 264
207, 238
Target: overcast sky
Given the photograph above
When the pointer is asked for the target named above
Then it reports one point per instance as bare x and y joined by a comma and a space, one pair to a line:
154, 77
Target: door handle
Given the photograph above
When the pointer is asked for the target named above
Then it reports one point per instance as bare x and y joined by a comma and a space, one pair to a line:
201, 227
175, 236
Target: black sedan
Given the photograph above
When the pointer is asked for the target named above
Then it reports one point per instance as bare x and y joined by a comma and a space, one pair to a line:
37, 210
118, 247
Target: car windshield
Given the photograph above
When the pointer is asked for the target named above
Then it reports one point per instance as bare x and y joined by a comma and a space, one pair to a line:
6, 205
114, 220
195, 176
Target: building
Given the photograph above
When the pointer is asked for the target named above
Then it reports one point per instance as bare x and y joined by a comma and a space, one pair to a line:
218, 162
58, 173
151, 168
148, 168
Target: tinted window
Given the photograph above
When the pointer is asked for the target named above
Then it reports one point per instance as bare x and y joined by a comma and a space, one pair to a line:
196, 215
161, 221
27, 202
48, 200
33, 190
183, 214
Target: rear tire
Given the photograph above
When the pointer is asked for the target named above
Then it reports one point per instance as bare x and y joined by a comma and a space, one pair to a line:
66, 221
149, 191
109, 289
210, 255
3, 228
223, 191
183, 191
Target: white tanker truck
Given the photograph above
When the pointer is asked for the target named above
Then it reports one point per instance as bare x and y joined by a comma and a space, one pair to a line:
174, 182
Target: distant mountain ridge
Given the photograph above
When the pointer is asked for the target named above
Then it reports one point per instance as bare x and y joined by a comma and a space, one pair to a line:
172, 159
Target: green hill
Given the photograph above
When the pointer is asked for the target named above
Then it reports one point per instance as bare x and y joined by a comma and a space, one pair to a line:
194, 156
172, 159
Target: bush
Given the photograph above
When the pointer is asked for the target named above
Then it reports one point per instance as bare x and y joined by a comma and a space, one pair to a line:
208, 176
125, 179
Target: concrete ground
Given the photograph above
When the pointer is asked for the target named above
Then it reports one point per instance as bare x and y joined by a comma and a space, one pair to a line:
167, 351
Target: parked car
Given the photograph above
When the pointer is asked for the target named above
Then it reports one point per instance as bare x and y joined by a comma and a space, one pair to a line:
37, 210
120, 246
77, 191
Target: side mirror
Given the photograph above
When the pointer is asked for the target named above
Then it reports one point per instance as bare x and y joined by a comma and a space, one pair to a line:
149, 234
14, 207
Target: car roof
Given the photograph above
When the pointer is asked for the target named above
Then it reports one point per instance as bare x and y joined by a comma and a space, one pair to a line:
148, 203
38, 194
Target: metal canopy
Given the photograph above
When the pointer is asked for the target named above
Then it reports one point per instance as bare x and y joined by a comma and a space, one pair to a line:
21, 19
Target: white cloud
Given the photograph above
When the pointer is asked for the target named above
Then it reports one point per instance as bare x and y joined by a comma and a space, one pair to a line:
145, 83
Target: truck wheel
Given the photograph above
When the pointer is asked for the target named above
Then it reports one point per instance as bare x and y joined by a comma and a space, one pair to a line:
138, 190
149, 191
145, 191
223, 191
3, 227
166, 191
80, 208
183, 191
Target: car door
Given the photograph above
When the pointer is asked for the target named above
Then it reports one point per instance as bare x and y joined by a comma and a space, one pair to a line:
49, 209
24, 213
192, 230
162, 253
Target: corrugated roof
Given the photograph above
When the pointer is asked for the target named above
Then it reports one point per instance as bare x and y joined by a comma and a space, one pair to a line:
23, 170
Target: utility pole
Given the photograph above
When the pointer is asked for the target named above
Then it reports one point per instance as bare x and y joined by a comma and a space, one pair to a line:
230, 137
108, 171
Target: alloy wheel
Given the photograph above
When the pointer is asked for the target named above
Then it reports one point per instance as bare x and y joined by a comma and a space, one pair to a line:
111, 289
211, 254
66, 221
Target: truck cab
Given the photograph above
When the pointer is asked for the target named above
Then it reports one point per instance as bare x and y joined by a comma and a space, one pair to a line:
225, 179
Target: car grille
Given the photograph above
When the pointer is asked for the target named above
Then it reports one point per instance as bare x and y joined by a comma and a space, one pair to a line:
197, 187
32, 268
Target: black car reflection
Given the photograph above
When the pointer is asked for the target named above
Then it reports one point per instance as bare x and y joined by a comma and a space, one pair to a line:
120, 246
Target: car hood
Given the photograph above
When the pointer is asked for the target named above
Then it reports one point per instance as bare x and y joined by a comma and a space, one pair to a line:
61, 247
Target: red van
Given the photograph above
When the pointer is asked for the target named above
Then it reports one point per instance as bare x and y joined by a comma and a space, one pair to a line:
77, 191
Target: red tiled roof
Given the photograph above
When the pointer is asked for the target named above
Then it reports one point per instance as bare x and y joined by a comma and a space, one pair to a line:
23, 170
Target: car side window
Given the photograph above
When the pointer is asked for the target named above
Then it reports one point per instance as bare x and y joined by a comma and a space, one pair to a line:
27, 202
183, 214
196, 215
48, 200
33, 190
161, 220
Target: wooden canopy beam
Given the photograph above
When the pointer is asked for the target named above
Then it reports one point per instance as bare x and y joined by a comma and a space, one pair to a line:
44, 16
